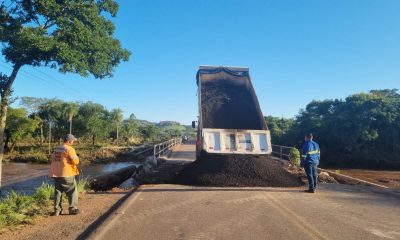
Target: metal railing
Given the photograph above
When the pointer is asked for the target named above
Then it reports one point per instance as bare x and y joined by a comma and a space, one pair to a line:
162, 148
281, 151
104, 149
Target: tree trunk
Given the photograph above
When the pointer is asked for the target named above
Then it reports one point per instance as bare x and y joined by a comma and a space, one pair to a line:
41, 134
94, 139
70, 126
117, 132
5, 98
13, 146
49, 138
6, 144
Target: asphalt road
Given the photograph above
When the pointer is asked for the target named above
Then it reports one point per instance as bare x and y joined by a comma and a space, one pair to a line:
182, 212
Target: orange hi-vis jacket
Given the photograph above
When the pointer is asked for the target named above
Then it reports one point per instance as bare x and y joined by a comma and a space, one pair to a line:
64, 162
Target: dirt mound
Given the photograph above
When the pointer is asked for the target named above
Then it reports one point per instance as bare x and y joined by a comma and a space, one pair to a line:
229, 106
236, 170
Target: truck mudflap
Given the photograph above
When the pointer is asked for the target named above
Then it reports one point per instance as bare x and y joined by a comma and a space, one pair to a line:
232, 141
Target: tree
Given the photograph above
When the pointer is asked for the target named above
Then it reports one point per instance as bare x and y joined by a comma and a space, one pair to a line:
362, 130
19, 126
92, 120
71, 35
130, 127
71, 109
52, 114
33, 104
117, 117
279, 127
149, 132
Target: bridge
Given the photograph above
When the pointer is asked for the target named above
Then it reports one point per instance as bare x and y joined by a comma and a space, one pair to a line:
167, 211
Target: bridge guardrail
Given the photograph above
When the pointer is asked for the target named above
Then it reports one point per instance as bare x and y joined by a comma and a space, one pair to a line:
281, 151
161, 148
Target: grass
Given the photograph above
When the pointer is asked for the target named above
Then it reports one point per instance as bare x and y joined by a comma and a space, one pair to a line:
17, 209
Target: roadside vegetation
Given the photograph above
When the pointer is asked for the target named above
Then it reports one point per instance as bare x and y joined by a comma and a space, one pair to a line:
16, 208
38, 125
362, 130
294, 156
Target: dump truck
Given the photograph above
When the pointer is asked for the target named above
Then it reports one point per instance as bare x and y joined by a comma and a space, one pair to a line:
230, 120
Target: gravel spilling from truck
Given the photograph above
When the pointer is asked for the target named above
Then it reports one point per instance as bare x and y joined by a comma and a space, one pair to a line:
236, 170
228, 105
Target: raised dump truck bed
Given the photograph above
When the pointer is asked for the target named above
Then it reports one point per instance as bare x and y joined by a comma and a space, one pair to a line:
230, 118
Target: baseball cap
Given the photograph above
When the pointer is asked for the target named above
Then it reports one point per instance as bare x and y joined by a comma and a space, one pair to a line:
69, 137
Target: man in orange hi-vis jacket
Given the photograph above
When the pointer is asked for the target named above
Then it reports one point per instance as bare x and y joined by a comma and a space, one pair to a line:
63, 170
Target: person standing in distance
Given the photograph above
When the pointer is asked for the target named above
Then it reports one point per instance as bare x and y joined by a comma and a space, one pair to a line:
63, 170
310, 156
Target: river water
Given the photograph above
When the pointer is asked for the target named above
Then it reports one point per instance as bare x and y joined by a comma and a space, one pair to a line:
25, 177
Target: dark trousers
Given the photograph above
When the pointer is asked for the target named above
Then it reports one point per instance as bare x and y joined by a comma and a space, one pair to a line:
68, 186
312, 175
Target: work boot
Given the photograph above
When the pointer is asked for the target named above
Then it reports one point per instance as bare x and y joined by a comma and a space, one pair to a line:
57, 213
74, 211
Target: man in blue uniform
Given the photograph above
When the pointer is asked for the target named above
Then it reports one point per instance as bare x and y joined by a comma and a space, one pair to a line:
310, 155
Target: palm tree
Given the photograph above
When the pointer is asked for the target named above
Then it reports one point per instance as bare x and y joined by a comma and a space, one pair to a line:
117, 117
70, 110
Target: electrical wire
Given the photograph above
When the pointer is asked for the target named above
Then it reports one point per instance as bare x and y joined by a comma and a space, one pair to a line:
54, 83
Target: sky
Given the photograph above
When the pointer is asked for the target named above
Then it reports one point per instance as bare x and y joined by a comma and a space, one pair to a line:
297, 51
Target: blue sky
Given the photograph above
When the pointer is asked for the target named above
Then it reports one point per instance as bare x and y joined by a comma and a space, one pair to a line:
297, 51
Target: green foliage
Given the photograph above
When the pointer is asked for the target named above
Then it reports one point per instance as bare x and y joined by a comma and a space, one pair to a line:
75, 36
70, 109
279, 128
18, 209
72, 36
19, 125
43, 194
93, 121
52, 111
130, 128
294, 156
149, 132
82, 184
117, 117
362, 130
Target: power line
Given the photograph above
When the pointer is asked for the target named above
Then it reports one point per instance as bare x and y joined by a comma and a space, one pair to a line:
57, 81
54, 83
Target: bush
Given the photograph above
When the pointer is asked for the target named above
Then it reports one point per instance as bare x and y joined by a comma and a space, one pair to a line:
18, 209
294, 156
44, 193
82, 185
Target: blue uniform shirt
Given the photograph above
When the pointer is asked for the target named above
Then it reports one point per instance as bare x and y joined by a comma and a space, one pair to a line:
310, 153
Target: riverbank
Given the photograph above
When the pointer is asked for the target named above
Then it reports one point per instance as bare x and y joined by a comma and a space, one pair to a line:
87, 153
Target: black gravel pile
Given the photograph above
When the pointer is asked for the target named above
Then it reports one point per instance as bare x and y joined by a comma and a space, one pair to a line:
229, 106
236, 170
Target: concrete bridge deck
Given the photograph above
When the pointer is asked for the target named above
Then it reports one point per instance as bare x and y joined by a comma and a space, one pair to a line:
185, 212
